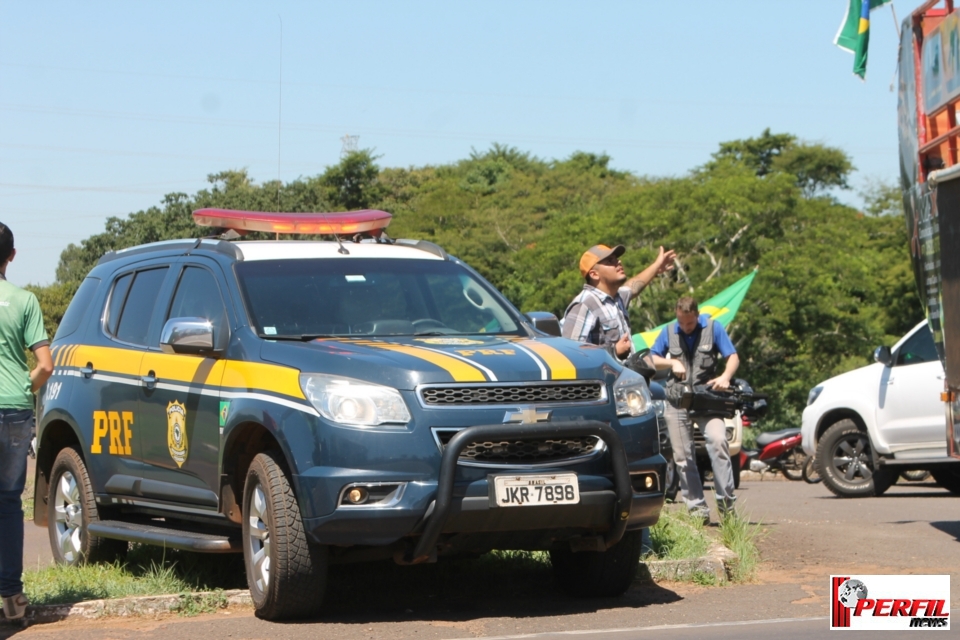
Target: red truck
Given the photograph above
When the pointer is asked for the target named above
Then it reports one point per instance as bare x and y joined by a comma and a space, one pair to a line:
928, 101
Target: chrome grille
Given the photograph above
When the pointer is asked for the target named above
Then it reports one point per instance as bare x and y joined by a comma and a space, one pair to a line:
524, 452
552, 393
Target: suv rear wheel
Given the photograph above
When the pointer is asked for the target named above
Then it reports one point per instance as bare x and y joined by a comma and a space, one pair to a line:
949, 479
846, 465
287, 575
71, 507
598, 573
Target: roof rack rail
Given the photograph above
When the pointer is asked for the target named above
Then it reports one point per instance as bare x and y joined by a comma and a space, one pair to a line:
423, 245
187, 246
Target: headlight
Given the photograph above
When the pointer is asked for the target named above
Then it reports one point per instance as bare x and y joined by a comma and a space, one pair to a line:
631, 394
813, 395
354, 402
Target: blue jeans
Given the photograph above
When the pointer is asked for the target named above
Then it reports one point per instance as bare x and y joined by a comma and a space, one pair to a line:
16, 432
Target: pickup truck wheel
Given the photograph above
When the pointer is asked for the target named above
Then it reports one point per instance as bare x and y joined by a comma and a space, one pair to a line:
845, 463
949, 479
71, 507
286, 574
598, 574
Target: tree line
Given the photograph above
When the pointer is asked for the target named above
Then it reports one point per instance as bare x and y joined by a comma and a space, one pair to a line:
833, 282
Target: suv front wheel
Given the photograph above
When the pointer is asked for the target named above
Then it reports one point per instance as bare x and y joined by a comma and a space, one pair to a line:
71, 508
598, 573
845, 463
286, 574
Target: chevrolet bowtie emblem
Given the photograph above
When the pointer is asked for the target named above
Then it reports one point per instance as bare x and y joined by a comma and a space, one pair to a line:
526, 415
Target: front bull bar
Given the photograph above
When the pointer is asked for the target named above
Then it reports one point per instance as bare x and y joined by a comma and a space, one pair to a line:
464, 437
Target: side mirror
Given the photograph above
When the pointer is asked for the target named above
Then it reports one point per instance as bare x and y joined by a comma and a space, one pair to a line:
187, 336
883, 356
545, 322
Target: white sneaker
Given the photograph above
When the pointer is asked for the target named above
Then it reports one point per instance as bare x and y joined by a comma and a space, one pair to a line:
14, 607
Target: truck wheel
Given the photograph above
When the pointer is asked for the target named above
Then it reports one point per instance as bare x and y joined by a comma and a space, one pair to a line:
598, 574
286, 574
71, 507
845, 463
916, 475
949, 479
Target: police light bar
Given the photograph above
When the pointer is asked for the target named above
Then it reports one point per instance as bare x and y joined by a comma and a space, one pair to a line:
345, 223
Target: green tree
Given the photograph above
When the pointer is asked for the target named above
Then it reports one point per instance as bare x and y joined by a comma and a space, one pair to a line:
833, 282
816, 167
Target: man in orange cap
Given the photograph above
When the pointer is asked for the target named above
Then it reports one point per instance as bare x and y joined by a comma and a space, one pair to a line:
598, 315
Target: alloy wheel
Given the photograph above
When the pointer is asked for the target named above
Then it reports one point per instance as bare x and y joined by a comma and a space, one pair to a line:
259, 538
69, 517
851, 458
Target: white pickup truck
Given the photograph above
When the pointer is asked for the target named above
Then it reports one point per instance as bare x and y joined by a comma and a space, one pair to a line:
868, 425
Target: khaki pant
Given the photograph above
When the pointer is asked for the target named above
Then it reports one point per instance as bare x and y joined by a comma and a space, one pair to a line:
680, 427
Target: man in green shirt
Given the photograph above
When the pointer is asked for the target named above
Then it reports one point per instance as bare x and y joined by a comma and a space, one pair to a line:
21, 328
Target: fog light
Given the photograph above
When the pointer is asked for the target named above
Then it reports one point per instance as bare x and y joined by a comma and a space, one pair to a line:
729, 434
357, 495
648, 482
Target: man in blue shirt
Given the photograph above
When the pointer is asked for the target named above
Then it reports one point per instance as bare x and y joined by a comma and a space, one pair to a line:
693, 344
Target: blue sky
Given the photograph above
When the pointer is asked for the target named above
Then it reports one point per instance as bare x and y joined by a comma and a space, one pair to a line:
107, 106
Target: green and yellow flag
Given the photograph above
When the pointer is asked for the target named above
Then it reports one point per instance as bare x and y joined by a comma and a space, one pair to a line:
854, 33
721, 307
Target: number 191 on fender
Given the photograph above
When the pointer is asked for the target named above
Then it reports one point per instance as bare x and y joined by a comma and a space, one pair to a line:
534, 490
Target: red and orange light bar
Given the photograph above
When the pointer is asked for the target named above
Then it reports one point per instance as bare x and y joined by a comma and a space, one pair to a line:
345, 223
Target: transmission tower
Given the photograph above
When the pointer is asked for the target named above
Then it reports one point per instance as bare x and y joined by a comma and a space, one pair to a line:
349, 145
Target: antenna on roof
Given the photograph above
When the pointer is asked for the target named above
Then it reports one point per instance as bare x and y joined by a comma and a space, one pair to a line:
279, 114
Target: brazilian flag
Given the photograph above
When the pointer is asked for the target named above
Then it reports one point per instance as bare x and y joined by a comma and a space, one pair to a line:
854, 33
721, 307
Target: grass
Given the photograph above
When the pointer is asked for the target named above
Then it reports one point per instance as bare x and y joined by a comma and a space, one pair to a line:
147, 571
740, 536
677, 536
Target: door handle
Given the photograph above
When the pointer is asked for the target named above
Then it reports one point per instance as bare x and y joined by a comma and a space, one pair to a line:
149, 381
88, 370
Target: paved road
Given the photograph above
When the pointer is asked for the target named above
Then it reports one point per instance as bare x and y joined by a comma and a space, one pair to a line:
807, 535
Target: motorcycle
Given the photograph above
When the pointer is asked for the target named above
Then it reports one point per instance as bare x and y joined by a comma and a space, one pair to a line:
779, 451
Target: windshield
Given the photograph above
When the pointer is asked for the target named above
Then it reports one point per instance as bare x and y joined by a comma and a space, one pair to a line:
305, 298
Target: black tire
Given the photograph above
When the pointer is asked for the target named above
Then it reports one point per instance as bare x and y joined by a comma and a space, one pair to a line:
598, 574
810, 473
792, 463
735, 463
671, 481
917, 475
845, 463
286, 574
949, 479
71, 507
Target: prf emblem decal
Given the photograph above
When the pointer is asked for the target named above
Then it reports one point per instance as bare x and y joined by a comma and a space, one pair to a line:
177, 432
